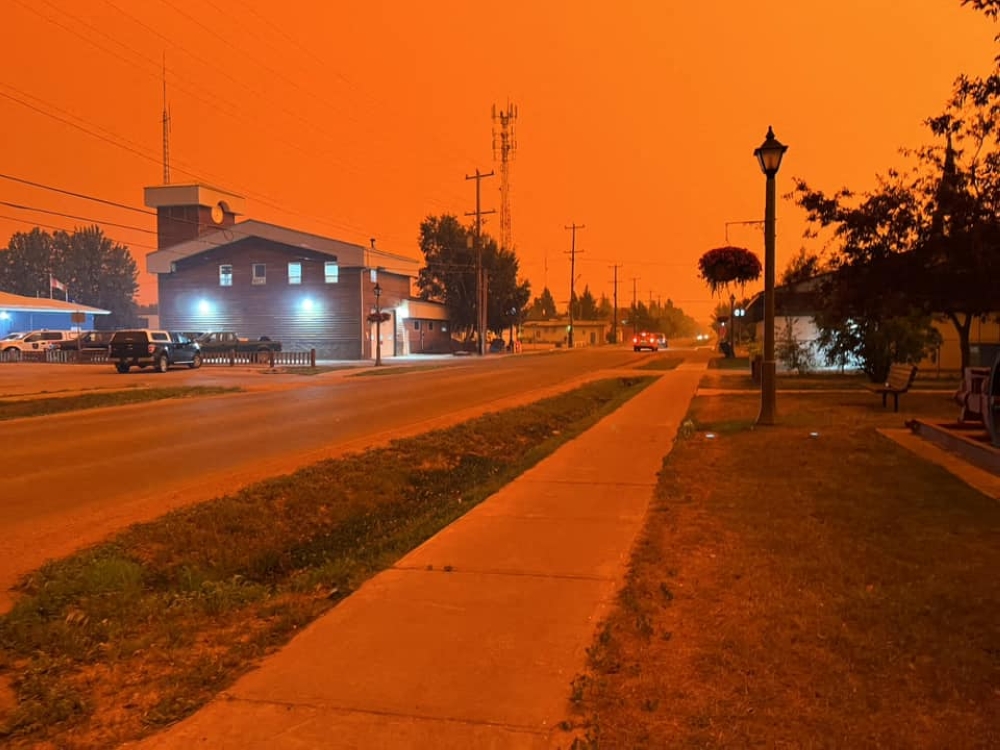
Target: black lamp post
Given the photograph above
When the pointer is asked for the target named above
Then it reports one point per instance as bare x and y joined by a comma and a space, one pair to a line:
378, 326
769, 155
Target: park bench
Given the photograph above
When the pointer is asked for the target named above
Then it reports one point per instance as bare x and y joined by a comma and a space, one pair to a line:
899, 381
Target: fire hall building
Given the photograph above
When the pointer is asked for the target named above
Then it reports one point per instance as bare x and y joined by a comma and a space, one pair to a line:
215, 273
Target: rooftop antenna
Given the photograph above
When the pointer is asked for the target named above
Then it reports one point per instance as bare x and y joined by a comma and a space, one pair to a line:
166, 126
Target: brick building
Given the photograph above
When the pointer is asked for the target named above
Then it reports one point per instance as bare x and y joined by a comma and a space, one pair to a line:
258, 279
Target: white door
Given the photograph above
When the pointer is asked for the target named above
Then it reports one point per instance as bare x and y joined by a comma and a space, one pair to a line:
388, 331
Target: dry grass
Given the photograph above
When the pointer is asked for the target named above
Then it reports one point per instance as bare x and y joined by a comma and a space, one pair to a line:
803, 592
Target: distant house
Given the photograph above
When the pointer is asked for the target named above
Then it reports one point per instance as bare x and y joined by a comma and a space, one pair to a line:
556, 332
260, 279
23, 314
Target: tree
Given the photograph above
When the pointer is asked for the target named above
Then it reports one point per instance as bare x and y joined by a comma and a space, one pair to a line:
605, 310
543, 307
727, 266
955, 268
449, 276
507, 298
26, 265
866, 313
990, 7
586, 306
803, 266
96, 270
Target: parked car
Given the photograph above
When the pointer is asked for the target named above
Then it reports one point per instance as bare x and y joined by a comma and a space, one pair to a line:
148, 348
645, 340
88, 340
36, 341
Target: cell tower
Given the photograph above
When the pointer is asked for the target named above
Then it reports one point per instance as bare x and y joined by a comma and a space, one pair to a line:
504, 147
166, 126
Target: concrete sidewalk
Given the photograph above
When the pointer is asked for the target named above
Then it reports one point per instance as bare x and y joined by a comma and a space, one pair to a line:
473, 639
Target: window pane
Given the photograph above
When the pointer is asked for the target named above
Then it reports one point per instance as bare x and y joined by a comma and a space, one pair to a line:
225, 275
259, 273
331, 272
294, 273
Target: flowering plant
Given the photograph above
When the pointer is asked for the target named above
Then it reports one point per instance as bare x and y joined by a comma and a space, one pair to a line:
723, 266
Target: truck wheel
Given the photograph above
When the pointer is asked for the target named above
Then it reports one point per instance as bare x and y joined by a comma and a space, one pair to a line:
13, 354
122, 367
162, 364
195, 362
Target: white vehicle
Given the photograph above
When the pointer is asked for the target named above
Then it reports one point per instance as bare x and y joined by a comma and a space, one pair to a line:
35, 341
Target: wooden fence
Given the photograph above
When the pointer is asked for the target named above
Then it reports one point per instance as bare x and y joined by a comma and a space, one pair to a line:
100, 356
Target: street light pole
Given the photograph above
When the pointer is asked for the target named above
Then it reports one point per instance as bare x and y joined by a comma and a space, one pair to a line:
377, 291
732, 323
769, 155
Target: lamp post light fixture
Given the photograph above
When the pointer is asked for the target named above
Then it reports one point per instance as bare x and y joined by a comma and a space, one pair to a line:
769, 154
377, 291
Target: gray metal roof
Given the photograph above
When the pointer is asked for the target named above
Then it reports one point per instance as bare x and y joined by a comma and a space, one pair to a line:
347, 254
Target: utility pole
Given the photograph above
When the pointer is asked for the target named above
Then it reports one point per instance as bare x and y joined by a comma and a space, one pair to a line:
614, 305
480, 271
572, 277
635, 304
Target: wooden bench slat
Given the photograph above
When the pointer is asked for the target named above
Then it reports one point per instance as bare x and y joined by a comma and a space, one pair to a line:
900, 379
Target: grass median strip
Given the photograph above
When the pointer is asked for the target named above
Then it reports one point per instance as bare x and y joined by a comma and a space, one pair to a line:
809, 584
117, 640
38, 407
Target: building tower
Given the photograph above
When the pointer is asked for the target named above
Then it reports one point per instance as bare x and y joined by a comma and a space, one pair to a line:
166, 126
504, 147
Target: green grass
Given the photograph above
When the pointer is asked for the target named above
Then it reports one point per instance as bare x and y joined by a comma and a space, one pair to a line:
170, 612
37, 407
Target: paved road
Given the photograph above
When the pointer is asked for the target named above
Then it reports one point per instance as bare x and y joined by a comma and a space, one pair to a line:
69, 480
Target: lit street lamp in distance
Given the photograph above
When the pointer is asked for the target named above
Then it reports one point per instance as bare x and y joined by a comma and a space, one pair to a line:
769, 155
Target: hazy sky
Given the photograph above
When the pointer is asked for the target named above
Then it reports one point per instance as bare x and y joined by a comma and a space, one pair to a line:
637, 118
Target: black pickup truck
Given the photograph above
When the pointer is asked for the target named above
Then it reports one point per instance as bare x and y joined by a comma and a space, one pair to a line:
146, 348
229, 341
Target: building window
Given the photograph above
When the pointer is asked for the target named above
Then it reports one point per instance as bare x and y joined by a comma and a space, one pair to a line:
294, 273
259, 273
331, 272
416, 325
225, 275
430, 325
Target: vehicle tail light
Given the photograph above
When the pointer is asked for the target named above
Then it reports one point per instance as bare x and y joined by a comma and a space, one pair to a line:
151, 348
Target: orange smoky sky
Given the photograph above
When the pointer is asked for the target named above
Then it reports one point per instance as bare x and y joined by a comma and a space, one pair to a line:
636, 119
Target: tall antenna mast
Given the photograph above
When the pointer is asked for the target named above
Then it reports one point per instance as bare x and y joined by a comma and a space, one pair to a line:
504, 147
166, 127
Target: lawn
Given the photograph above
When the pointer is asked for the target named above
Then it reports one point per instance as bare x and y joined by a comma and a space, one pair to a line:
120, 639
806, 585
37, 407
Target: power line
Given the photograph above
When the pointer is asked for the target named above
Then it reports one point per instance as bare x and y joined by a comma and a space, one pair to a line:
50, 212
232, 111
63, 229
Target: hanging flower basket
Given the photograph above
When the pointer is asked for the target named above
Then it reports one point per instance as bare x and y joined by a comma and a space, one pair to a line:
379, 317
728, 265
